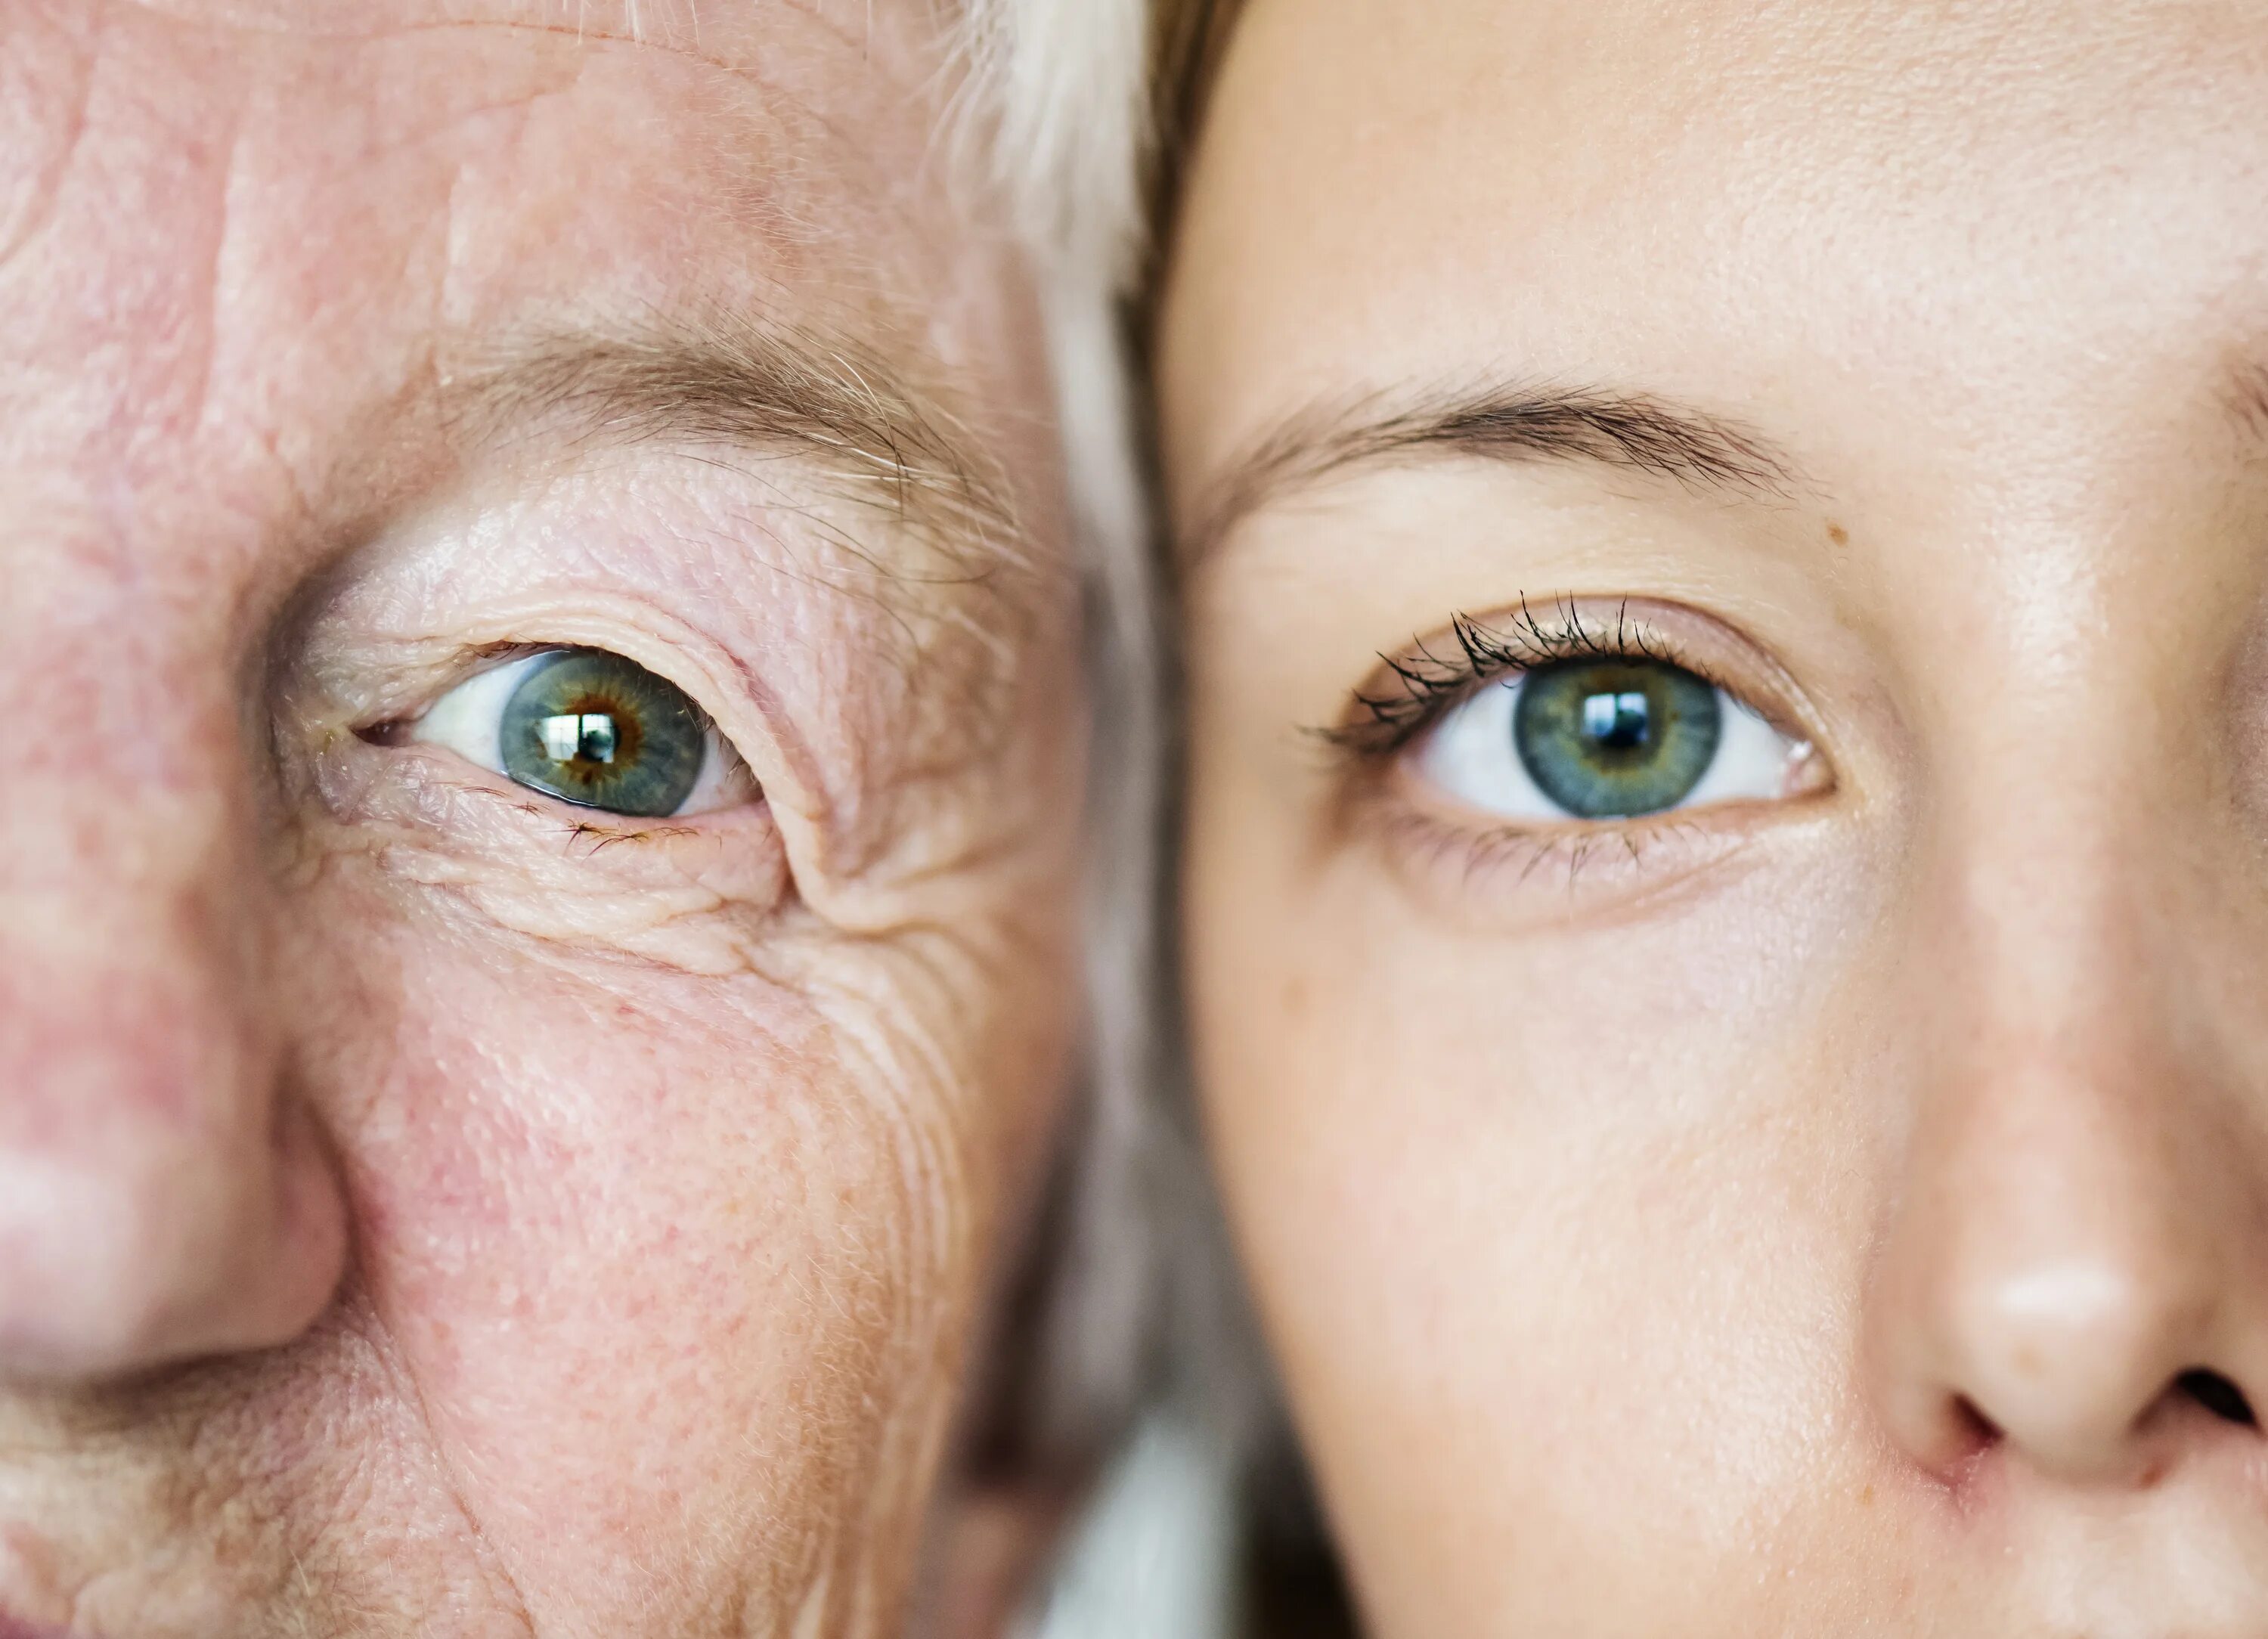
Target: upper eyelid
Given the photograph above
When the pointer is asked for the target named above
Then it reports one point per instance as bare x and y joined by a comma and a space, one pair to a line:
484, 661
1431, 684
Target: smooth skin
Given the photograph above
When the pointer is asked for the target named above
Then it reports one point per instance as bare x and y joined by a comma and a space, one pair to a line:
428, 1207
1842, 1208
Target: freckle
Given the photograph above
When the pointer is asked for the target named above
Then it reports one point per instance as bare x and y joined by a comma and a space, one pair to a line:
1839, 535
1867, 1496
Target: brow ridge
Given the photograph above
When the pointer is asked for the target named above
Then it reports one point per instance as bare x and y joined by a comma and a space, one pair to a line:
1506, 422
755, 388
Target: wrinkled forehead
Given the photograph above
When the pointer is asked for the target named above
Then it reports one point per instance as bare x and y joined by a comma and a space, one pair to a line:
895, 39
759, 106
245, 231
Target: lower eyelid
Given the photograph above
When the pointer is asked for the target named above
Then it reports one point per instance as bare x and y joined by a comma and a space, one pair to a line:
1502, 879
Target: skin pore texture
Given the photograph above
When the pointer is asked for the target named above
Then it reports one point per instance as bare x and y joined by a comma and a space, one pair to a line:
1840, 1207
427, 1206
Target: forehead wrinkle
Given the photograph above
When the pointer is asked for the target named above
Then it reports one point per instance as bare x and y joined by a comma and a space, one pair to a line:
687, 27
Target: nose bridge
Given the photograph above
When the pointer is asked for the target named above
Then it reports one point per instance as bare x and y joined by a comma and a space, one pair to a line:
127, 941
156, 1200
2074, 1230
122, 853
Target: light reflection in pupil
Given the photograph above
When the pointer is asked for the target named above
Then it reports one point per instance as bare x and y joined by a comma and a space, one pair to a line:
1617, 722
579, 736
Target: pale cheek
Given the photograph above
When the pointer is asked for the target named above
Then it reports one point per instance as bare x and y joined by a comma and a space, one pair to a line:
1563, 1225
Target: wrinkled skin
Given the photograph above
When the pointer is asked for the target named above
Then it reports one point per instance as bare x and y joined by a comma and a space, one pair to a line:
427, 1208
1815, 1214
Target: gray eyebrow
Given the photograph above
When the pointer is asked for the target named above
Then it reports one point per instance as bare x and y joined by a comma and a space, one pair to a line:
758, 389
1633, 431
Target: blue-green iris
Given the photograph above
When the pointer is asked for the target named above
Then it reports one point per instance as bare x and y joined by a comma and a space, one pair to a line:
1607, 739
595, 729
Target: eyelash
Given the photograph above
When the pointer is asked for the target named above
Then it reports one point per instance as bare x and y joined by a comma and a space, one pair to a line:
1381, 724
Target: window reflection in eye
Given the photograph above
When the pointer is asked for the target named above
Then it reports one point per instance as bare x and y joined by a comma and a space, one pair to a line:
1605, 738
594, 729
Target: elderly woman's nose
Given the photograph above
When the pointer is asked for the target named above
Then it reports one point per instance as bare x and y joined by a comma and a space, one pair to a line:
163, 1196
2073, 1274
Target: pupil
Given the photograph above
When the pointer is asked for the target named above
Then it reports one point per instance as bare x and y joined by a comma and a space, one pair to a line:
1617, 722
579, 736
1607, 739
597, 728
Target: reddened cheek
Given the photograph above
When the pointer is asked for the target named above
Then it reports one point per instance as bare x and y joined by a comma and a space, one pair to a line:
610, 1209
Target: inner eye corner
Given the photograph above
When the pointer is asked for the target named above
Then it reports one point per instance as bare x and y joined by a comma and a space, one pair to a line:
389, 732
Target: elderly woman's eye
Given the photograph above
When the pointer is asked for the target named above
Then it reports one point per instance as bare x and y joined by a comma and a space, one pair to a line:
1605, 738
594, 729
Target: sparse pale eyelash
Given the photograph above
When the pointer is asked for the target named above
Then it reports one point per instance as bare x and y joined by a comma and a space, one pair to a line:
1425, 683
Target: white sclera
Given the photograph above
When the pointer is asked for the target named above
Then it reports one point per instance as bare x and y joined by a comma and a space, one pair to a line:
469, 721
1470, 755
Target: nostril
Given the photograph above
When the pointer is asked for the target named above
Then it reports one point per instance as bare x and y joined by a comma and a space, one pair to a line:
2218, 1396
1979, 1430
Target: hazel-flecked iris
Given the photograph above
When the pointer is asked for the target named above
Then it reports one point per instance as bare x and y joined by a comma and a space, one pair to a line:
592, 727
1613, 739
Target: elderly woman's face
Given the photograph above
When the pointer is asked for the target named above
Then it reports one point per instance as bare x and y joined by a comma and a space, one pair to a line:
1736, 1049
532, 952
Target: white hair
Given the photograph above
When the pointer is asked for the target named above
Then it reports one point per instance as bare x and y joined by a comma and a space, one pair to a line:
1141, 1315
1146, 1308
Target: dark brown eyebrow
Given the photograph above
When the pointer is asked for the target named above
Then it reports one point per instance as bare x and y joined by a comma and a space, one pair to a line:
1633, 431
870, 422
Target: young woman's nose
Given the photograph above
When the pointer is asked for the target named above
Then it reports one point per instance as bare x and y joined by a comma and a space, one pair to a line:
2072, 1276
162, 1194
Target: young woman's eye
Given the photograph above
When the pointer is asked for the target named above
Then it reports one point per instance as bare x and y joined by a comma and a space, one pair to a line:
1605, 738
594, 729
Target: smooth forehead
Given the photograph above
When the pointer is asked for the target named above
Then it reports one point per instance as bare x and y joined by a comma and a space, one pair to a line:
1387, 193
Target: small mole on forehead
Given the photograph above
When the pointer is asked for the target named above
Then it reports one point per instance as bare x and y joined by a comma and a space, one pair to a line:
1839, 535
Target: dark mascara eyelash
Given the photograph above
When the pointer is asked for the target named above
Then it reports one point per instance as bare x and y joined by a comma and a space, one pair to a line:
1426, 684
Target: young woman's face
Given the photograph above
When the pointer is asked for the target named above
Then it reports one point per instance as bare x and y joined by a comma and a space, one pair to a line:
1727, 560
